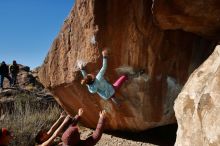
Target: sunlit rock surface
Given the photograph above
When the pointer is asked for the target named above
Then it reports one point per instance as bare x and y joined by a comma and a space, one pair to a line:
135, 42
198, 105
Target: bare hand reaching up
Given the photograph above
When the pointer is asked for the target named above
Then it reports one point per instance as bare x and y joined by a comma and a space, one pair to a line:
102, 114
63, 114
105, 52
80, 112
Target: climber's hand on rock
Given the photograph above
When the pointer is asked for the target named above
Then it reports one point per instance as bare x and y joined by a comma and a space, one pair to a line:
105, 52
80, 65
80, 112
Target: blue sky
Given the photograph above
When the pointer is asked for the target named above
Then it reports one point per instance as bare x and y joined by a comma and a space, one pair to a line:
28, 28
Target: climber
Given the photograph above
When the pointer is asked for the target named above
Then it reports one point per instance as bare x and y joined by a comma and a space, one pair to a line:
98, 84
6, 137
4, 72
71, 135
14, 69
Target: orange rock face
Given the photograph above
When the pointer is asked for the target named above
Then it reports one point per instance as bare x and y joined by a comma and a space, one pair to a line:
135, 42
201, 17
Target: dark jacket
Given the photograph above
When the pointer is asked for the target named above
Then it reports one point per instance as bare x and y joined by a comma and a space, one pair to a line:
14, 69
4, 70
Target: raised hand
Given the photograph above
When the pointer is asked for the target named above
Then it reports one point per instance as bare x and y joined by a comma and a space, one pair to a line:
63, 114
80, 65
80, 112
102, 114
105, 52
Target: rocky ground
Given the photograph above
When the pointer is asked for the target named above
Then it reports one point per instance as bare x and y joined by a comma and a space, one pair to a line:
110, 140
162, 136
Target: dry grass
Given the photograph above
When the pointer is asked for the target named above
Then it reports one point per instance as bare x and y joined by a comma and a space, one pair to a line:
28, 118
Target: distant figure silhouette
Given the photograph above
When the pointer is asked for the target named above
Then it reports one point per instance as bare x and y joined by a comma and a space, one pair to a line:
14, 69
4, 72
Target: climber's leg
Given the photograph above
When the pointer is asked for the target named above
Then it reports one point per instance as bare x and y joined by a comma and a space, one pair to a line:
120, 81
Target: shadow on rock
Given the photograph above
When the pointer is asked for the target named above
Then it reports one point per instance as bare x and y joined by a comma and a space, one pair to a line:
162, 136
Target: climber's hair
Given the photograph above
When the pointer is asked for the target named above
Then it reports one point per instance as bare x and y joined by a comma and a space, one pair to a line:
88, 80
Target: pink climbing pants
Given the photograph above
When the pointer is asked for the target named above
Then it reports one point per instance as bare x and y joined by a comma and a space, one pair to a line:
120, 81
117, 85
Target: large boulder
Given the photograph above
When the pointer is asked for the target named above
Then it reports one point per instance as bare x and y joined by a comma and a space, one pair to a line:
135, 42
198, 16
198, 105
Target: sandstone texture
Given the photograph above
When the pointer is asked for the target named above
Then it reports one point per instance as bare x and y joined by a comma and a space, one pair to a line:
198, 16
136, 42
198, 105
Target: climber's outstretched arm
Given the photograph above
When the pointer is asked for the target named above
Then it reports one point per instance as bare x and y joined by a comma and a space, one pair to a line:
104, 65
83, 72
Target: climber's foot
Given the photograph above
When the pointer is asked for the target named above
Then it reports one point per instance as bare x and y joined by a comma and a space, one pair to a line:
140, 72
136, 74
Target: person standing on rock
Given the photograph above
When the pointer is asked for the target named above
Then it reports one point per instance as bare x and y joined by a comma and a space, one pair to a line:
4, 72
14, 69
98, 84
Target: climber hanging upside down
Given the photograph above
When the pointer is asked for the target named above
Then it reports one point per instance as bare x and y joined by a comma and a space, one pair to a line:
98, 84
